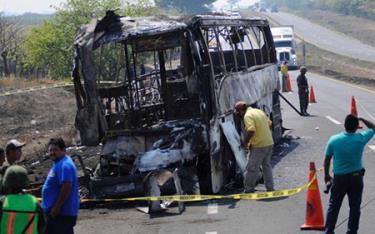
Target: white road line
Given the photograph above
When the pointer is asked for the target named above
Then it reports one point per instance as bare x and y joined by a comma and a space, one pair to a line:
333, 120
212, 208
211, 232
365, 110
372, 147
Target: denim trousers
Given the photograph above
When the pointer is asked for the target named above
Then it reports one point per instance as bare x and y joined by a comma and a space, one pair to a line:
349, 184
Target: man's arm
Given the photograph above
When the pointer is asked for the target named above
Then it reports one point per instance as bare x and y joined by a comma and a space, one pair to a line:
64, 194
368, 123
327, 163
248, 136
41, 220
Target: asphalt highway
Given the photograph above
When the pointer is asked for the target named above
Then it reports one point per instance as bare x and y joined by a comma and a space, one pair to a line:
324, 38
306, 142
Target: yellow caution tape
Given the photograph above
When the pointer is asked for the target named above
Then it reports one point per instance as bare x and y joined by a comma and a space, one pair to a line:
31, 89
197, 197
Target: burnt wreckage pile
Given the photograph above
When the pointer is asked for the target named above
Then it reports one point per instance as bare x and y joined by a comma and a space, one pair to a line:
158, 92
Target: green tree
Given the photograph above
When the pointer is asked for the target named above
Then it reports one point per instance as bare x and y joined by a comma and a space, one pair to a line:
51, 46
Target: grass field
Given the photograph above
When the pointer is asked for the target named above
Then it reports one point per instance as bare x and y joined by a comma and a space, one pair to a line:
359, 28
337, 66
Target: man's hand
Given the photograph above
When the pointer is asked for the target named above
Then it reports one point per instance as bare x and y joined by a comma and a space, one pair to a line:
368, 123
55, 211
327, 178
64, 194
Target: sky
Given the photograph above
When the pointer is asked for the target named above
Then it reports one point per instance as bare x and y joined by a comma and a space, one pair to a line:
21, 6
35, 6
44, 6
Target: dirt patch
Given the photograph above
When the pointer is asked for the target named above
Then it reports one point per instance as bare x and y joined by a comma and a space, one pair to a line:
338, 67
35, 117
359, 28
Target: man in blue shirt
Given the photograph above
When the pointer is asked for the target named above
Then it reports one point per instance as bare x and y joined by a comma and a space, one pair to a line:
60, 195
346, 149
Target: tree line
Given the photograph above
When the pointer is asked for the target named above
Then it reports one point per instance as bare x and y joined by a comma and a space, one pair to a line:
46, 50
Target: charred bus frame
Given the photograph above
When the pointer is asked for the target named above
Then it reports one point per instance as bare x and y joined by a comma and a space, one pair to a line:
163, 97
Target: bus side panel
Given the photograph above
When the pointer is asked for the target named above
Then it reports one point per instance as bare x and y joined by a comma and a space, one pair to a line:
249, 86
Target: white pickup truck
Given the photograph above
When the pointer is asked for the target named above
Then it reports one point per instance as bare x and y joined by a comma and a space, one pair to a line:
283, 37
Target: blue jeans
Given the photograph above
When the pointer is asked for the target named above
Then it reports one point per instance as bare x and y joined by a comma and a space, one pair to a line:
352, 185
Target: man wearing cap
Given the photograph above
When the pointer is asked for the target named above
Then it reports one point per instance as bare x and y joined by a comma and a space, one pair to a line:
20, 212
259, 141
13, 153
60, 196
303, 91
13, 150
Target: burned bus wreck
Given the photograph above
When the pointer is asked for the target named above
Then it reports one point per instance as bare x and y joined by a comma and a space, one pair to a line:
158, 93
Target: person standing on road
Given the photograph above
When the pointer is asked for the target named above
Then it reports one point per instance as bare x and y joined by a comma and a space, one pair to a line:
260, 143
20, 212
60, 196
346, 149
303, 91
284, 76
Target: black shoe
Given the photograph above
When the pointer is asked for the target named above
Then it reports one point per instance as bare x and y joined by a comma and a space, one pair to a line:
249, 191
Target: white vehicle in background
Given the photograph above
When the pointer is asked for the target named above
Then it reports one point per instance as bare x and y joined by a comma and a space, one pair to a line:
286, 54
283, 37
235, 14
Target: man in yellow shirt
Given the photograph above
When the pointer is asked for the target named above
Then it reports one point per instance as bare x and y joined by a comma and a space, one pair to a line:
259, 141
284, 76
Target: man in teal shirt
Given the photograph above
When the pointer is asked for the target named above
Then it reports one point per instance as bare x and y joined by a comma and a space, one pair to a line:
346, 149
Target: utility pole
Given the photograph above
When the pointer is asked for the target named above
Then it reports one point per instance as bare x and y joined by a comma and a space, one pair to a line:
304, 52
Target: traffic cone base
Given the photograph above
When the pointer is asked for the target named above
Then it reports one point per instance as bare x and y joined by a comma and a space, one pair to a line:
314, 210
312, 95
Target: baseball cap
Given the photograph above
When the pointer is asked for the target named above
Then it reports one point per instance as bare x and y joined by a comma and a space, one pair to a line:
13, 144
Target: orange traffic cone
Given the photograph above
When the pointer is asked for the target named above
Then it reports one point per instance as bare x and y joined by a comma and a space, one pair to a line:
353, 109
312, 95
314, 211
289, 84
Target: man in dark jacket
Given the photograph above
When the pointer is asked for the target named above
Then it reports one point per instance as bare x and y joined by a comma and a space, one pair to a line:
303, 91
